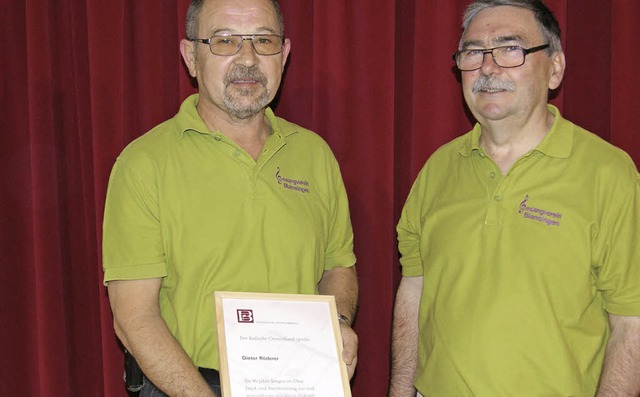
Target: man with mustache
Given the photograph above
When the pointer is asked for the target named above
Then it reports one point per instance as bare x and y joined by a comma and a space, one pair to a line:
225, 196
519, 240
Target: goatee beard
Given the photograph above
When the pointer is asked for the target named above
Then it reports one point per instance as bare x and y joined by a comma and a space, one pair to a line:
239, 102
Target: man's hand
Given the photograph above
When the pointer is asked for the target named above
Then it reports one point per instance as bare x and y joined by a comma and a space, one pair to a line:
350, 346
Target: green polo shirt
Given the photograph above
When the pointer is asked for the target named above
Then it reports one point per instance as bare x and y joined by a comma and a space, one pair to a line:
190, 206
520, 270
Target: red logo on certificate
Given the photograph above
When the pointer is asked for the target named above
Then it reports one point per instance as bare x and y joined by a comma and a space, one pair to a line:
245, 315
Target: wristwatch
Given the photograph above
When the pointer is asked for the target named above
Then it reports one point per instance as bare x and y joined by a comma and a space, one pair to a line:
344, 319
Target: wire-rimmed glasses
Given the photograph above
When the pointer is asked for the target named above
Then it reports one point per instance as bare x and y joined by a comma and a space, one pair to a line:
508, 56
230, 44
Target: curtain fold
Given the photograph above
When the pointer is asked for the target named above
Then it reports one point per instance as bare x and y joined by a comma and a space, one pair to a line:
81, 79
625, 80
346, 76
587, 90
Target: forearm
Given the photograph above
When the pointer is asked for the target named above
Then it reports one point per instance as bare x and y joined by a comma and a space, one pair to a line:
621, 370
342, 283
404, 342
163, 360
144, 333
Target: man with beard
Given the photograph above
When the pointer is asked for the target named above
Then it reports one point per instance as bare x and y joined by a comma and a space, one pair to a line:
519, 240
224, 196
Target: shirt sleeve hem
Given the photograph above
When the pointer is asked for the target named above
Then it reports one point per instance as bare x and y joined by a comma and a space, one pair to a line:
411, 267
135, 272
345, 260
623, 309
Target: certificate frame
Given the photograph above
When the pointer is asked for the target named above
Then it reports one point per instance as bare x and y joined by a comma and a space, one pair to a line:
302, 330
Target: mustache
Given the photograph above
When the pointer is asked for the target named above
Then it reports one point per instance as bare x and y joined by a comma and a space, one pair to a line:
486, 83
240, 72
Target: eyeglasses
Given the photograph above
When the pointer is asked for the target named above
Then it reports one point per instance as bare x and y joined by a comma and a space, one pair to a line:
230, 44
509, 56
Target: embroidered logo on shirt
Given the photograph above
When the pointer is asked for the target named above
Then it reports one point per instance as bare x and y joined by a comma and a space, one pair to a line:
538, 214
292, 184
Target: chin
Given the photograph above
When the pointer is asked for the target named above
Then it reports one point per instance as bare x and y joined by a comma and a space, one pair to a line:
491, 112
245, 108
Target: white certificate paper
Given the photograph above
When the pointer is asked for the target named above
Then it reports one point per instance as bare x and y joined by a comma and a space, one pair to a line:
279, 345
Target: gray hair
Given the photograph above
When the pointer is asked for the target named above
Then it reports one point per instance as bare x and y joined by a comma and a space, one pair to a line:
193, 13
548, 24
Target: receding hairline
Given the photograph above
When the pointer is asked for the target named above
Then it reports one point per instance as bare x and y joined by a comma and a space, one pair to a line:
195, 9
511, 35
547, 23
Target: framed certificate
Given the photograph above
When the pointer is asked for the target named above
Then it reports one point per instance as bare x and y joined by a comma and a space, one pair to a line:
279, 345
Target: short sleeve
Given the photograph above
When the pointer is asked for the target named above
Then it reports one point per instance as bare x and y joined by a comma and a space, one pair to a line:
409, 229
618, 241
339, 251
132, 240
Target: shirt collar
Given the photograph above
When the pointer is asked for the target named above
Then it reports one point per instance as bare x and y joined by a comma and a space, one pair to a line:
557, 143
189, 120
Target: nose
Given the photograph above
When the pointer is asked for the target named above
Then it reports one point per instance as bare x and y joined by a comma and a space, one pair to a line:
247, 54
489, 66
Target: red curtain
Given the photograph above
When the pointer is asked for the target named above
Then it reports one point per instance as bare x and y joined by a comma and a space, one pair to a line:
82, 78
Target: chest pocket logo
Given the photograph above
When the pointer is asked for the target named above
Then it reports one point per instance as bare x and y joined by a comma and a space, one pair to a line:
539, 215
299, 185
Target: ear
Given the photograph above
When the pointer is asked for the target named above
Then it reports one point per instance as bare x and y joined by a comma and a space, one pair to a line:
286, 47
557, 69
188, 51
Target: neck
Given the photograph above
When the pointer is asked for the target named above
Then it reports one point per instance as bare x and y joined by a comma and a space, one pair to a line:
250, 134
506, 141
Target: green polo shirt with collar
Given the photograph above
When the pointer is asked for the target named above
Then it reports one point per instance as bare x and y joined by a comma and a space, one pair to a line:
521, 270
190, 206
